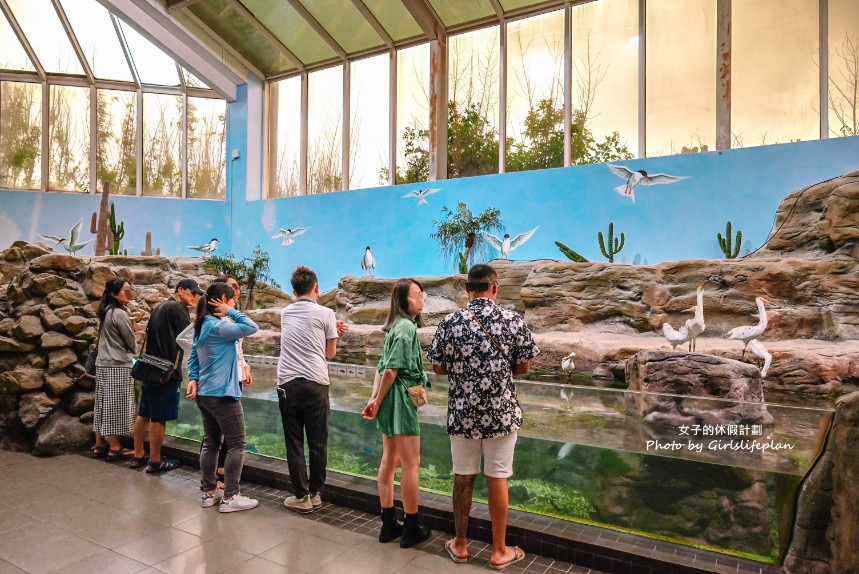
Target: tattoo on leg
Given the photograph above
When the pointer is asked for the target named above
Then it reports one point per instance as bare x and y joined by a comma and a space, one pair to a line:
463, 487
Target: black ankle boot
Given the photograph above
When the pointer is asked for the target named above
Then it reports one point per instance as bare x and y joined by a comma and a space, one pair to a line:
412, 533
391, 529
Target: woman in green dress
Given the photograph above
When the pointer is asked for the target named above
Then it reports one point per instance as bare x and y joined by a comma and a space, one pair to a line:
400, 367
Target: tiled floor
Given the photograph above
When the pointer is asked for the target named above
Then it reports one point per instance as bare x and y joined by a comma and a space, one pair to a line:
73, 514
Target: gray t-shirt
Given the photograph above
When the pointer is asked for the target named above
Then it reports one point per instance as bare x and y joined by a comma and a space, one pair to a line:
305, 327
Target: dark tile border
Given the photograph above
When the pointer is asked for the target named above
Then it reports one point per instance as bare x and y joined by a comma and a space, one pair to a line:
582, 545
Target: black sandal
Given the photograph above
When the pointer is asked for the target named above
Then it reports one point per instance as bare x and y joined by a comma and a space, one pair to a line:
99, 451
162, 465
117, 455
138, 461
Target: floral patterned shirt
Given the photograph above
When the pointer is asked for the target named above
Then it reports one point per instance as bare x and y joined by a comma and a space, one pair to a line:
482, 400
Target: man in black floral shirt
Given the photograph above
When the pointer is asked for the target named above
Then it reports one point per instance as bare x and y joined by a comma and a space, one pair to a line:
480, 348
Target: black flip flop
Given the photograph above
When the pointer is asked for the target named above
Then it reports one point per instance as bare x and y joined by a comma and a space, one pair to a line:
138, 461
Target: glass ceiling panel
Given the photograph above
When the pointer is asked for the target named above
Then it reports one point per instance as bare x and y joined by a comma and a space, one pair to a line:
12, 54
394, 18
289, 27
92, 26
345, 23
153, 66
461, 11
193, 81
238, 33
46, 35
514, 4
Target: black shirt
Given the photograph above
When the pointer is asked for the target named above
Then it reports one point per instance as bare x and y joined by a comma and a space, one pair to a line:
165, 323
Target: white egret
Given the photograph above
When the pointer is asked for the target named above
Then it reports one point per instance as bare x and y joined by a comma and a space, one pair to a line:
757, 348
748, 332
695, 326
71, 244
567, 363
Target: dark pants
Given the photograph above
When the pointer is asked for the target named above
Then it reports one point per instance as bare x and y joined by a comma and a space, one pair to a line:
304, 409
222, 417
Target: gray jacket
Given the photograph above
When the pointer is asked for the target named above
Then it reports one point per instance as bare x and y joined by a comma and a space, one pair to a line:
116, 342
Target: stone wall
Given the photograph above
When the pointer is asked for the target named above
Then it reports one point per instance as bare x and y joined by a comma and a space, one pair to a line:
48, 306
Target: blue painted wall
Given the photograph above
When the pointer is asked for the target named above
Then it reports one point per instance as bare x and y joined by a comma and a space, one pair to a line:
667, 222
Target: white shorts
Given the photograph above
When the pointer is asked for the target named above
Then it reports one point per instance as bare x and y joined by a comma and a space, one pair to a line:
497, 455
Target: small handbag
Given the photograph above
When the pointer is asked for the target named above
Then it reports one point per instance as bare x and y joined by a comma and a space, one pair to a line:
154, 370
91, 358
418, 394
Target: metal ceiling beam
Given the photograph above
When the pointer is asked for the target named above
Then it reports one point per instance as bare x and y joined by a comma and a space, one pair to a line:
151, 20
64, 21
174, 5
266, 33
19, 33
426, 18
319, 29
499, 11
371, 19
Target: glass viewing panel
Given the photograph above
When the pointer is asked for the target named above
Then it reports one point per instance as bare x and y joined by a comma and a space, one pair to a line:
325, 130
116, 154
46, 35
12, 53
369, 139
413, 86
207, 148
627, 460
153, 66
605, 71
93, 28
162, 145
193, 81
68, 122
473, 69
775, 93
285, 136
535, 92
681, 76
20, 135
843, 68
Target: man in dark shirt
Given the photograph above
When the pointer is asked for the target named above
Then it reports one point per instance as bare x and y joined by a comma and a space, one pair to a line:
160, 403
480, 348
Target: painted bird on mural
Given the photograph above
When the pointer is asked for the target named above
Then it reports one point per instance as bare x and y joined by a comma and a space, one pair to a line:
640, 177
71, 244
206, 248
506, 245
368, 263
288, 234
421, 194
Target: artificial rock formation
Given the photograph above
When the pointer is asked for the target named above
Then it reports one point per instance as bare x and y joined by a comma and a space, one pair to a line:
827, 518
48, 306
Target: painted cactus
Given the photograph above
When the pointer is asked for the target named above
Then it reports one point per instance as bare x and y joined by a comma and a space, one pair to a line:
571, 254
614, 245
725, 242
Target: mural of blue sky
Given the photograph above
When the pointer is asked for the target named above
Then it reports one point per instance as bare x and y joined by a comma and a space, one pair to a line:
666, 222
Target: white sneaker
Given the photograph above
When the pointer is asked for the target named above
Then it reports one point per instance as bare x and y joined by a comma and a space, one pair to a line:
316, 500
302, 505
237, 502
210, 499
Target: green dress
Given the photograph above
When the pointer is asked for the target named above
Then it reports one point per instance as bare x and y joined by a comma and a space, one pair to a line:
402, 350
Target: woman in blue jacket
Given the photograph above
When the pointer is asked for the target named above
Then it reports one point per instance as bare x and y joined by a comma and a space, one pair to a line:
215, 383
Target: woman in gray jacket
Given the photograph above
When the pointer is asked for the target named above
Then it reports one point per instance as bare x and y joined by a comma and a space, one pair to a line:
113, 414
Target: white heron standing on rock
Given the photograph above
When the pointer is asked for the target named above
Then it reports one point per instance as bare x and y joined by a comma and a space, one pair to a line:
748, 332
695, 326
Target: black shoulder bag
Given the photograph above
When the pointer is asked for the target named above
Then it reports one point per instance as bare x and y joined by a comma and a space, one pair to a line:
488, 336
154, 370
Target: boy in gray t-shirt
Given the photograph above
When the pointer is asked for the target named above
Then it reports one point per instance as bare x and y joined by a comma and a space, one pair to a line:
308, 338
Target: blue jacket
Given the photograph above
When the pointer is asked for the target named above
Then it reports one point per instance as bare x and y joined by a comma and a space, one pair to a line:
213, 358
